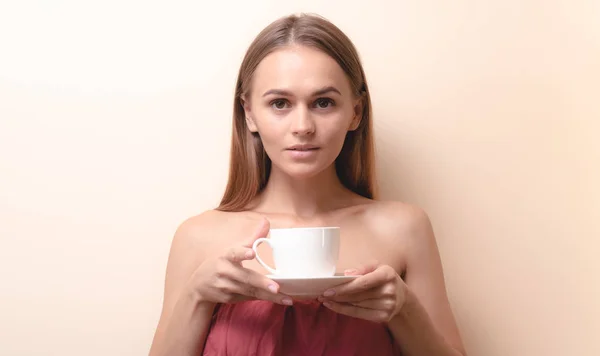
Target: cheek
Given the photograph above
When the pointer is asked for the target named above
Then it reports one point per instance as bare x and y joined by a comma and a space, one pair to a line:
338, 142
336, 130
271, 134
268, 138
265, 124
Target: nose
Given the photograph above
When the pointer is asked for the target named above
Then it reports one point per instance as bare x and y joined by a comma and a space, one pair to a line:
302, 123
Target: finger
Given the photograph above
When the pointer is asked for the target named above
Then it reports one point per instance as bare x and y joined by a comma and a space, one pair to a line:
357, 312
387, 305
362, 269
239, 254
253, 280
232, 291
360, 284
244, 295
257, 286
261, 231
254, 285
225, 269
373, 293
279, 298
387, 290
228, 269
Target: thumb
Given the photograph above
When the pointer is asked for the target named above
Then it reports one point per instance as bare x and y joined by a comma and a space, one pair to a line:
262, 230
363, 269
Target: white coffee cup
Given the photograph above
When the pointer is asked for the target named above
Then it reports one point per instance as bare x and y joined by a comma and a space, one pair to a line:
302, 252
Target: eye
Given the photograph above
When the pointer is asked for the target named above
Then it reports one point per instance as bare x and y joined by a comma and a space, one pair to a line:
324, 103
279, 104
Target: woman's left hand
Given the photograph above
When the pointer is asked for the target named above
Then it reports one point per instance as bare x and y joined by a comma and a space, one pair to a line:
377, 295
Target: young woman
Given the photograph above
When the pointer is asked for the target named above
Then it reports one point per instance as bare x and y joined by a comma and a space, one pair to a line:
302, 155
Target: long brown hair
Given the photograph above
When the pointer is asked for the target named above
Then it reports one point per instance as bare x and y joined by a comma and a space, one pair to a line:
249, 166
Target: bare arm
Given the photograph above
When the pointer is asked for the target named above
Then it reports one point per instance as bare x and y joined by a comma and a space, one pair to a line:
199, 276
184, 322
416, 311
425, 325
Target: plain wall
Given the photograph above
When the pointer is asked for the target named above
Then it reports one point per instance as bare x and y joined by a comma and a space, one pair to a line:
115, 122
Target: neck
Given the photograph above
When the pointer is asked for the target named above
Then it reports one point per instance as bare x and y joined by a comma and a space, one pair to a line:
304, 197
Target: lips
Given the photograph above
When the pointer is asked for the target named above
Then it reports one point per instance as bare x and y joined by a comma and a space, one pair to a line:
302, 148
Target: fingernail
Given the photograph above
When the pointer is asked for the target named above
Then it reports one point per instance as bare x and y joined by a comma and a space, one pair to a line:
329, 293
287, 301
350, 271
327, 304
249, 254
272, 288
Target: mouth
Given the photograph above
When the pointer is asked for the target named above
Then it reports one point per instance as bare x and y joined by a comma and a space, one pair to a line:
302, 148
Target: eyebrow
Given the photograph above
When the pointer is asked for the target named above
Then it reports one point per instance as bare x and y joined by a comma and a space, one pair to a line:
321, 91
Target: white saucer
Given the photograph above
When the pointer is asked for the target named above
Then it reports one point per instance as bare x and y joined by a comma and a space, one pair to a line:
309, 286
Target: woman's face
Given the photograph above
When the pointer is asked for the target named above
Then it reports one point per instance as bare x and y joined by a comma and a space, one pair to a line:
302, 106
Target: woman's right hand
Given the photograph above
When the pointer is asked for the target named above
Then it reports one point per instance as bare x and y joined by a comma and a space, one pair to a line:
223, 279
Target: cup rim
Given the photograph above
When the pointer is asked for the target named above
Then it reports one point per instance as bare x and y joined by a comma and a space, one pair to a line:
307, 228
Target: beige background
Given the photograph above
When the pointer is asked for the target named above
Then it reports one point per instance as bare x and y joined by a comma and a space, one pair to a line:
115, 126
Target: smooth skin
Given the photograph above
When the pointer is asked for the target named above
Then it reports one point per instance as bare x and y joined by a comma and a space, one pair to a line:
301, 96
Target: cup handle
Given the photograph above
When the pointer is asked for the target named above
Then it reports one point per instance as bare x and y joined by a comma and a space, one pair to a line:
255, 246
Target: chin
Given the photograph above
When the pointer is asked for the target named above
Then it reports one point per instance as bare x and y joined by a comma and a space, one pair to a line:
301, 170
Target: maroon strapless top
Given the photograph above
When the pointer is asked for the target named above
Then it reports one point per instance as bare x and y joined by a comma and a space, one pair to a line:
261, 328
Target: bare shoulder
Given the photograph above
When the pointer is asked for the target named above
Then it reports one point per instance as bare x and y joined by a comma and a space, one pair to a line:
406, 229
193, 227
198, 238
211, 229
192, 243
396, 220
402, 229
198, 230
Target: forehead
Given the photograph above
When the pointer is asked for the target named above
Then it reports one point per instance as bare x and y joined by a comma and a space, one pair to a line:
299, 69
